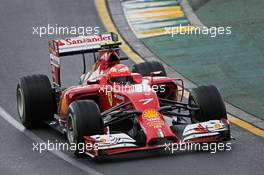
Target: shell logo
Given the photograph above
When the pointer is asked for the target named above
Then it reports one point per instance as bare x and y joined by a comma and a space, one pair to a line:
150, 113
217, 126
102, 140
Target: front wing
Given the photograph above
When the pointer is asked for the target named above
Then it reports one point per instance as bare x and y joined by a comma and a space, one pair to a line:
116, 143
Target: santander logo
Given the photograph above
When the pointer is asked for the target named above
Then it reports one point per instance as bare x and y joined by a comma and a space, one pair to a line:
82, 40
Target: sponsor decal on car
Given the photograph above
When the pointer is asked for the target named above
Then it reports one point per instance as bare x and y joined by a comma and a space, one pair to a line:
155, 124
153, 119
151, 113
83, 43
83, 40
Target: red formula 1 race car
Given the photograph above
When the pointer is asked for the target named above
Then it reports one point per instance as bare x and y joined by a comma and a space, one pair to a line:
117, 110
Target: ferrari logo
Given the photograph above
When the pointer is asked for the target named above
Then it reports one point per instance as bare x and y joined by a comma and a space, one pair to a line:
110, 98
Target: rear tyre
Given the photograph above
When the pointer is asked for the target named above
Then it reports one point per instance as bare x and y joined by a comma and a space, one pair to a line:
84, 119
35, 100
211, 106
146, 68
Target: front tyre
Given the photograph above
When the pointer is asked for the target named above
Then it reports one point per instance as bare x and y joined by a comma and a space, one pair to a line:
211, 106
210, 102
84, 119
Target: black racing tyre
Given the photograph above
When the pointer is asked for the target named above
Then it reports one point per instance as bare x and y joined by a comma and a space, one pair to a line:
35, 100
146, 68
84, 119
210, 102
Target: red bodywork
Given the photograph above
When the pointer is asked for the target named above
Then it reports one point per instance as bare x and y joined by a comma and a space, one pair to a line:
95, 86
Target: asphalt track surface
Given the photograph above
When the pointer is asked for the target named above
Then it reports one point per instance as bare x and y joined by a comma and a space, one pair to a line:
22, 54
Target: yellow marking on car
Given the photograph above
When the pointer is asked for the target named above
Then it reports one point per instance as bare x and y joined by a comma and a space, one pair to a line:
110, 98
217, 126
109, 25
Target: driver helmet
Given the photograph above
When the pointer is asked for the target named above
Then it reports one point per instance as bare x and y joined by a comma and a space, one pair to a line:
120, 73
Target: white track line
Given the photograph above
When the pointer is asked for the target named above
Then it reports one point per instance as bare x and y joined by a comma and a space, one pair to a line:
5, 115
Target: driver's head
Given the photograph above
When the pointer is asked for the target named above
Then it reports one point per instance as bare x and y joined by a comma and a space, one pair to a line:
120, 73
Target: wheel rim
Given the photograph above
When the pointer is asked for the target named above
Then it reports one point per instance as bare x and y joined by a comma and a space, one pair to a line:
20, 103
70, 130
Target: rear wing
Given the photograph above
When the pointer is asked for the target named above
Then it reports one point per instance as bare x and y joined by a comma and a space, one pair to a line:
74, 46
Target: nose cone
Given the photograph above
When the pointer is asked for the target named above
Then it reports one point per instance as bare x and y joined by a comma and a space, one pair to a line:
151, 121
